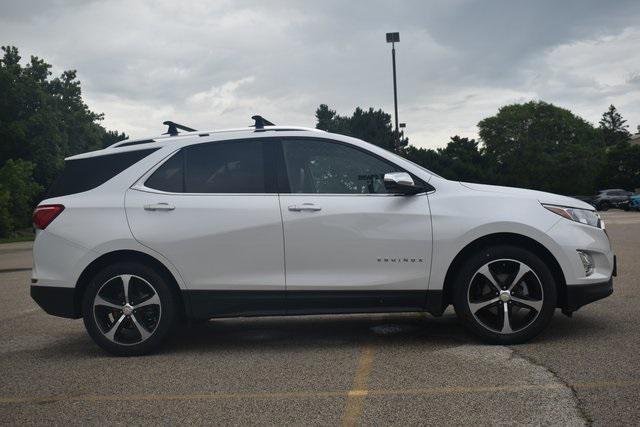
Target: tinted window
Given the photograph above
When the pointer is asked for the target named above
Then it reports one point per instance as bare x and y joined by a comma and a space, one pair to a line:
222, 167
85, 174
322, 167
228, 167
170, 176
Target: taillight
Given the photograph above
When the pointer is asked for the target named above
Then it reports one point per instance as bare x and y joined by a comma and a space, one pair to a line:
44, 214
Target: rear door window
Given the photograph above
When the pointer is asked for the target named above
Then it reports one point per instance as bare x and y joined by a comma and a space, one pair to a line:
236, 166
225, 167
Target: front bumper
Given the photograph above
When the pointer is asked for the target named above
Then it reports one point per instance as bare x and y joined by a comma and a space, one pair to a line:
568, 238
579, 295
56, 301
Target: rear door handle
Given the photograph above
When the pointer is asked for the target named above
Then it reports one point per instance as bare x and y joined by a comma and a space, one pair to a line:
305, 207
159, 207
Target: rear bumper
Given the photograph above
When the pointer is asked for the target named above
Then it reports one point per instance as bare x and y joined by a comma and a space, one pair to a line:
56, 301
580, 295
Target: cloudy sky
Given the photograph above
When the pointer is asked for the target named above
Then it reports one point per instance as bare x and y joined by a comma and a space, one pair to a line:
213, 64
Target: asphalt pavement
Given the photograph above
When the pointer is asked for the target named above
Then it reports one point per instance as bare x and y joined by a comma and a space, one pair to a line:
327, 370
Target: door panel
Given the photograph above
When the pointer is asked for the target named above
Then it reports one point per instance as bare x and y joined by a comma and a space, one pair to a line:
357, 242
343, 229
213, 211
216, 242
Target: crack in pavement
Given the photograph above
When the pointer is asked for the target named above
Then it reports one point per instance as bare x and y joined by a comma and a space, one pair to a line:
557, 402
578, 403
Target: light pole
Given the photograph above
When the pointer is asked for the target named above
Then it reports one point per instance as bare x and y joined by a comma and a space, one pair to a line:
394, 38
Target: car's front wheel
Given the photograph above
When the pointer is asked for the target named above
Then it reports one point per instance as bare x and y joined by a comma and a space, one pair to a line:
128, 309
505, 294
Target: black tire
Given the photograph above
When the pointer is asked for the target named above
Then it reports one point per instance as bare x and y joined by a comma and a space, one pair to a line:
143, 276
604, 206
510, 257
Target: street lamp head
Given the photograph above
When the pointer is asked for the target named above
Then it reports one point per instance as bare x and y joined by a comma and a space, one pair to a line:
393, 37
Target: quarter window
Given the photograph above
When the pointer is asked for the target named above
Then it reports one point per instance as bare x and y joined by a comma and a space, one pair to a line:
170, 176
323, 167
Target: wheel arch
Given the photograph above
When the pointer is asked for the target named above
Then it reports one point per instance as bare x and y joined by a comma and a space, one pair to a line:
129, 256
504, 238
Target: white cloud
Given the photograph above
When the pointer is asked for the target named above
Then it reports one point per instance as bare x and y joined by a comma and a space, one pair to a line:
216, 63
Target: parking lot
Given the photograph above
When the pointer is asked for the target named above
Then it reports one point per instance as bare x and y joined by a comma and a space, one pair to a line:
363, 369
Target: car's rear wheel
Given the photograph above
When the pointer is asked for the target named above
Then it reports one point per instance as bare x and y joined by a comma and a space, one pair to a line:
505, 294
128, 309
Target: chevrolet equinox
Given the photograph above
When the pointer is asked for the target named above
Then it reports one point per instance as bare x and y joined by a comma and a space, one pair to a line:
271, 220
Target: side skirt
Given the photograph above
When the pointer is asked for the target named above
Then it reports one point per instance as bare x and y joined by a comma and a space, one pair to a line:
222, 303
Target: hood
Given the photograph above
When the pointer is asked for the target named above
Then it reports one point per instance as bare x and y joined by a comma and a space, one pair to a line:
541, 196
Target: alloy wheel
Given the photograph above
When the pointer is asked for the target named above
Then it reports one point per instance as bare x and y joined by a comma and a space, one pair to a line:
127, 309
505, 296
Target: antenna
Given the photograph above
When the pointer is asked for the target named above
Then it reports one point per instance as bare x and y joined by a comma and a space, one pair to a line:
261, 122
173, 128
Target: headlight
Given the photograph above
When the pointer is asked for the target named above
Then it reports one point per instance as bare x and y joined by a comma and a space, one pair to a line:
583, 216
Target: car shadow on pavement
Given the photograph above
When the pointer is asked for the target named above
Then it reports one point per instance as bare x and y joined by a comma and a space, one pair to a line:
581, 327
321, 332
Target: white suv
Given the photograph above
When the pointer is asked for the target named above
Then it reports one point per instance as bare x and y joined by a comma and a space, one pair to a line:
288, 221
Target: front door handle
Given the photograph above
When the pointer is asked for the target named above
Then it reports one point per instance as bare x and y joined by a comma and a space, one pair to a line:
305, 207
159, 207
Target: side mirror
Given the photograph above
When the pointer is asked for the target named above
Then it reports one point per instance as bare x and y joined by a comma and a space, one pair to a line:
401, 182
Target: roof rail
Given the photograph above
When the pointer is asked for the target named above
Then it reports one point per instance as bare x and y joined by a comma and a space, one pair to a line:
173, 128
261, 122
127, 143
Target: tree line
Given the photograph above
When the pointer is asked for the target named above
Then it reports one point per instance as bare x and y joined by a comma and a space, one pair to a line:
534, 145
43, 119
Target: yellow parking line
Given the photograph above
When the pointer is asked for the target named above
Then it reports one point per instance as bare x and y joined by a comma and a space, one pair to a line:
168, 397
362, 374
355, 399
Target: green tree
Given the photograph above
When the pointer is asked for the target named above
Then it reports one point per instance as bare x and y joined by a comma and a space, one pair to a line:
17, 190
427, 158
42, 121
6, 220
461, 159
538, 145
373, 126
622, 169
111, 137
613, 127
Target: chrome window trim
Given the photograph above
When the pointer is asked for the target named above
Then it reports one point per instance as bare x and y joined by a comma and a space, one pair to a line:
141, 187
139, 184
